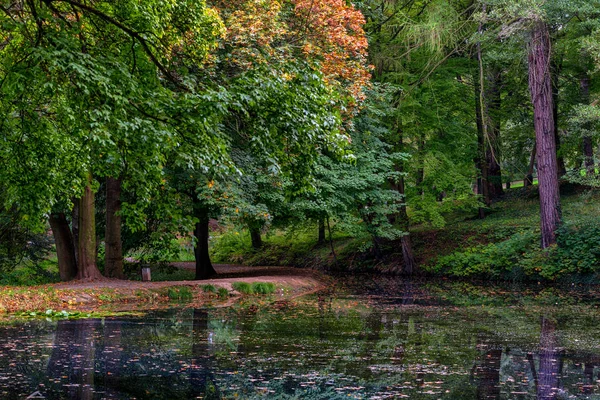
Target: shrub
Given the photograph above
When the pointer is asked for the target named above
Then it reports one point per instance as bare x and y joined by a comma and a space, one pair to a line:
223, 293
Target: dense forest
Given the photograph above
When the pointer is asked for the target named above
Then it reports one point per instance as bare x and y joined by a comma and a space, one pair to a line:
382, 130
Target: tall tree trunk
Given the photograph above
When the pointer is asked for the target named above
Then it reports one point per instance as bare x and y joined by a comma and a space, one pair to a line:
480, 162
255, 237
493, 148
482, 129
204, 268
321, 239
87, 236
540, 86
113, 259
556, 68
65, 249
588, 146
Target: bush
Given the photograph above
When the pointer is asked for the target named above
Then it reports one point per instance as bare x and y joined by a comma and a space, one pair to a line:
498, 260
577, 252
223, 293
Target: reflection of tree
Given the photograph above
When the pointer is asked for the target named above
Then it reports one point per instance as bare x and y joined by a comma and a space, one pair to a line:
550, 362
202, 382
73, 355
110, 355
488, 373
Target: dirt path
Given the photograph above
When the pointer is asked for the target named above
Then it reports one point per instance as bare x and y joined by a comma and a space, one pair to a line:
109, 294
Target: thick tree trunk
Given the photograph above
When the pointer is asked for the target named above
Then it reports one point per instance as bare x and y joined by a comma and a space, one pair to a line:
255, 237
113, 260
87, 236
492, 155
321, 239
65, 249
204, 268
540, 86
587, 144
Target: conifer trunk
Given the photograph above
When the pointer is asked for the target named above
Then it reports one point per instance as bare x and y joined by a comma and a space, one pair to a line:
65, 248
87, 236
540, 86
113, 259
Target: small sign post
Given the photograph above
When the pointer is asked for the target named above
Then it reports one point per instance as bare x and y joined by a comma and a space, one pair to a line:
146, 274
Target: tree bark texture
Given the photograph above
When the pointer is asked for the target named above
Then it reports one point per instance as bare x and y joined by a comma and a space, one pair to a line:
204, 268
540, 86
87, 236
113, 258
587, 144
75, 226
255, 237
65, 248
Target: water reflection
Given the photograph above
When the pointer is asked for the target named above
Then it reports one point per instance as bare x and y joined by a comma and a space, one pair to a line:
327, 347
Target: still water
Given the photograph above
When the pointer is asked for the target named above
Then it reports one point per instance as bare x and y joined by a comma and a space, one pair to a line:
381, 339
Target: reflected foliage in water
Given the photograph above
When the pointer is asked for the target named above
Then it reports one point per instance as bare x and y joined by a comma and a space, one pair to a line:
355, 344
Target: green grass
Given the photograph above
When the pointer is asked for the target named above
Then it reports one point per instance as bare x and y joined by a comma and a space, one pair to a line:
180, 293
254, 288
209, 289
263, 287
242, 287
223, 293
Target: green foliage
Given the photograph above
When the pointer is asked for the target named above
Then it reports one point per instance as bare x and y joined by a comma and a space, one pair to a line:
577, 253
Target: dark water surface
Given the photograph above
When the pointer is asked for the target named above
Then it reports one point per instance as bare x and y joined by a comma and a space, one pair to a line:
381, 339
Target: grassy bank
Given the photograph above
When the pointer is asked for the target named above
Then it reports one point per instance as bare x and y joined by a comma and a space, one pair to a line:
503, 246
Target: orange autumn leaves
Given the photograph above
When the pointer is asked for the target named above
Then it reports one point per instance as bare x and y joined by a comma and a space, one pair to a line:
334, 33
327, 33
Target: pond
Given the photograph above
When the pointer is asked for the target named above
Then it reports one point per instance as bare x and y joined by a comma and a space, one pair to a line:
373, 339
